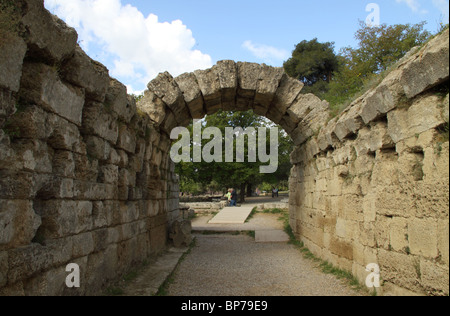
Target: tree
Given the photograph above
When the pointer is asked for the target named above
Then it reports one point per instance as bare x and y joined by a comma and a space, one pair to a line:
240, 175
313, 63
378, 49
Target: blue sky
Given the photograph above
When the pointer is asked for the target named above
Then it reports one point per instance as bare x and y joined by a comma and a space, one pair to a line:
137, 39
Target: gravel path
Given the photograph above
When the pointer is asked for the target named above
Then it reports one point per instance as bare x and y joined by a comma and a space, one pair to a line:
234, 265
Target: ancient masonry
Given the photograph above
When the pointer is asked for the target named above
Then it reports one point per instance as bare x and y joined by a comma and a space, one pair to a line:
86, 178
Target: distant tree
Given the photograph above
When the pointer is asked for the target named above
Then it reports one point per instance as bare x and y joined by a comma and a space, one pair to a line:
378, 49
313, 63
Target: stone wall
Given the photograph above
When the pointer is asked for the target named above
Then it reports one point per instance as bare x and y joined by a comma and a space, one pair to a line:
84, 177
372, 186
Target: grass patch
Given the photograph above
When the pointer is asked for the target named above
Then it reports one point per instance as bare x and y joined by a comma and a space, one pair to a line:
163, 289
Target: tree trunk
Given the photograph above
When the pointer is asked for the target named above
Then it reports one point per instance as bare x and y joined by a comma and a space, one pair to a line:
242, 193
249, 190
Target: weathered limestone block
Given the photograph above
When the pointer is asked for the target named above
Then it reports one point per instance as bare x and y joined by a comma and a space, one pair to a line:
268, 83
401, 269
63, 164
118, 101
19, 223
127, 139
303, 105
166, 88
32, 155
434, 278
82, 245
40, 85
17, 185
153, 106
228, 78
7, 106
286, 94
180, 233
381, 100
3, 269
109, 174
30, 122
12, 53
373, 139
98, 121
62, 218
86, 73
429, 68
188, 85
287, 124
48, 36
64, 135
350, 121
327, 138
423, 237
424, 114
248, 75
31, 260
209, 83
97, 148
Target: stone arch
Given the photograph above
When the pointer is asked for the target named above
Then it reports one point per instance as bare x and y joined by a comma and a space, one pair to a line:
235, 86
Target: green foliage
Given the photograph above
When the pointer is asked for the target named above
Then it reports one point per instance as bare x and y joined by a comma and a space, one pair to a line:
313, 63
364, 67
200, 177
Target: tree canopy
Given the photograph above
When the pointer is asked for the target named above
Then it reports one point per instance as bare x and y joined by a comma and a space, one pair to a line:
218, 176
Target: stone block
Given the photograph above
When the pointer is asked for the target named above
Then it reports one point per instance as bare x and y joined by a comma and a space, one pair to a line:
430, 68
228, 78
118, 101
434, 278
192, 94
3, 268
424, 114
7, 106
423, 237
61, 218
86, 73
127, 139
109, 174
166, 88
63, 135
12, 53
268, 83
248, 75
41, 85
83, 245
99, 121
19, 223
47, 36
286, 94
153, 106
400, 269
209, 83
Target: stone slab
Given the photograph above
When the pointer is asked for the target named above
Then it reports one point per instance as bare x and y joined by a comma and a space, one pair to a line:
262, 236
232, 215
149, 282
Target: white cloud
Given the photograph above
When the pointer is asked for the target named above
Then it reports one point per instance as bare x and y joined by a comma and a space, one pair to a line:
140, 47
414, 5
265, 52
